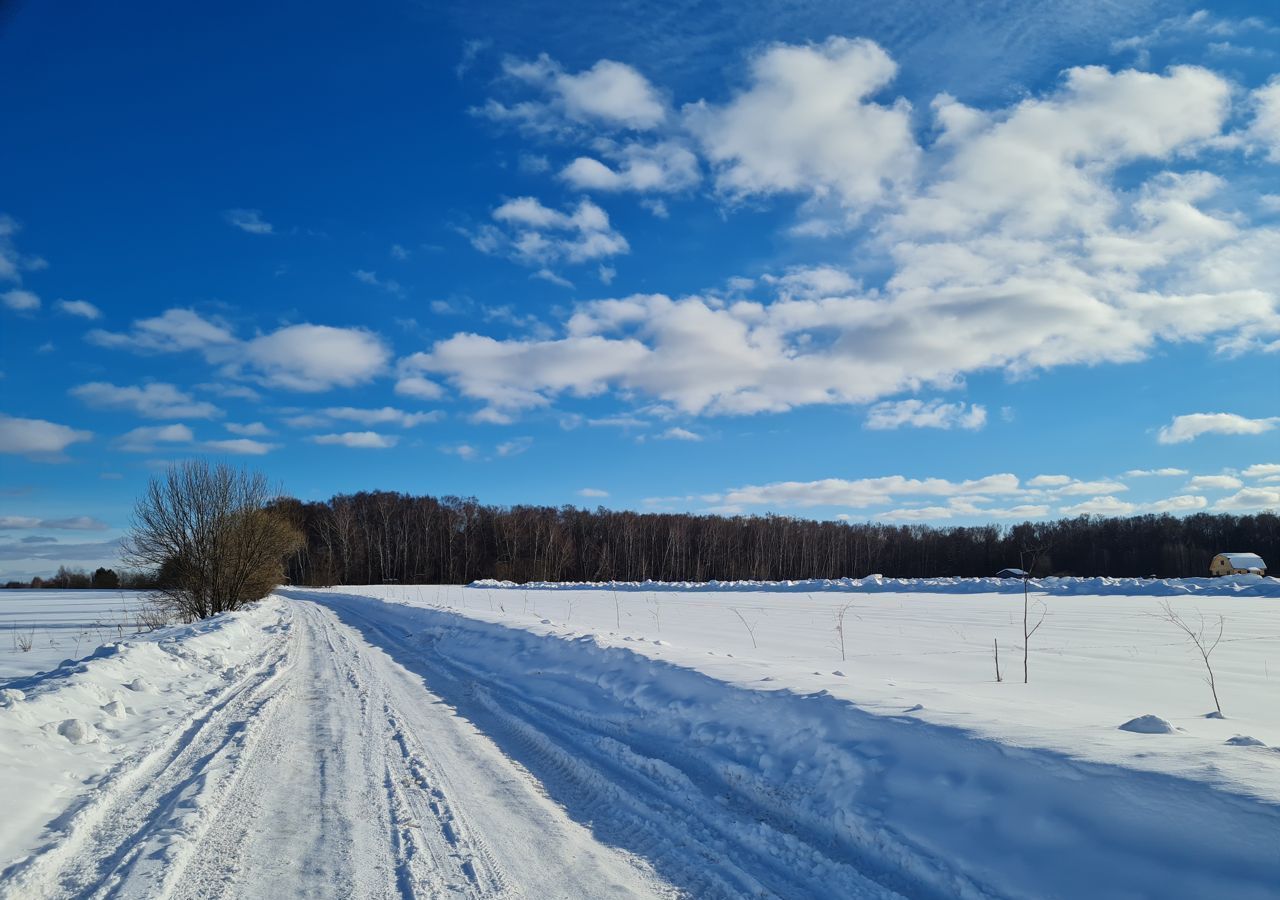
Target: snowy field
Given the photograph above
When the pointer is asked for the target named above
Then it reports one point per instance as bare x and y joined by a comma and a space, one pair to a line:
650, 740
41, 628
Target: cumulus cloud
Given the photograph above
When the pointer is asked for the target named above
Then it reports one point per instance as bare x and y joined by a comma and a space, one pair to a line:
149, 437
82, 308
313, 358
419, 387
37, 439
156, 400
1250, 499
13, 263
1214, 483
239, 447
1017, 240
914, 413
1191, 426
249, 220
1144, 473
302, 357
173, 331
807, 125
609, 94
663, 167
1262, 470
364, 440
1265, 128
537, 235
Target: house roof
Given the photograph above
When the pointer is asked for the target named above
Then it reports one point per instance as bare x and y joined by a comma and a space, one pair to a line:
1012, 572
1244, 560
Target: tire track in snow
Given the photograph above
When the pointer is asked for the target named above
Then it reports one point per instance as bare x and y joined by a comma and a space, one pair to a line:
706, 833
156, 798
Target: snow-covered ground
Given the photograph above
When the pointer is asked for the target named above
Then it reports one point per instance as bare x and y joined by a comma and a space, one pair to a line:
643, 740
41, 628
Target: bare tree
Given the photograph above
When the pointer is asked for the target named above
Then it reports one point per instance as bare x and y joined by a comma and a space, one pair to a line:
209, 533
1204, 641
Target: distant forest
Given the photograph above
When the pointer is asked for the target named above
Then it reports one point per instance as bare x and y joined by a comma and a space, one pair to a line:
369, 538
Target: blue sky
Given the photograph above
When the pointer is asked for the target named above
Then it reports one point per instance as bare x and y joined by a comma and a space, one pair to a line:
975, 263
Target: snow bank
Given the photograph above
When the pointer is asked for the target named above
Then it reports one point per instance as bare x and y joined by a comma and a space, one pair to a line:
1231, 585
91, 718
815, 786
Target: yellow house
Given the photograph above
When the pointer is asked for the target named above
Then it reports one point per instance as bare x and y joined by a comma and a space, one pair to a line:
1237, 564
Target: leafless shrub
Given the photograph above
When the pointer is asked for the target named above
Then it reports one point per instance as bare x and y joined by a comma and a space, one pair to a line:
840, 614
208, 533
1204, 639
24, 642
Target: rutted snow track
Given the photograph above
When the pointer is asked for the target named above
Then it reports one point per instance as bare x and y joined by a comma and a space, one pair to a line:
327, 770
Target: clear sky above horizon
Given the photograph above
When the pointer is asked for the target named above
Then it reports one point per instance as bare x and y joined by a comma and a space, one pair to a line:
947, 263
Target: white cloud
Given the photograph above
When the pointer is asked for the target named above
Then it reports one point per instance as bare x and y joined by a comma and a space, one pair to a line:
173, 331
147, 438
312, 358
20, 300
1262, 470
71, 523
1100, 506
387, 415
536, 235
925, 414
592, 492
82, 308
680, 434
807, 125
664, 167
365, 440
1191, 426
610, 94
417, 386
864, 492
1181, 503
157, 400
1143, 473
514, 447
1250, 499
303, 357
239, 446
1265, 128
249, 220
1050, 481
250, 429
38, 439
1214, 483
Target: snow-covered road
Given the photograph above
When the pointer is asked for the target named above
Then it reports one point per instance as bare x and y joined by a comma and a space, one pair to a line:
327, 770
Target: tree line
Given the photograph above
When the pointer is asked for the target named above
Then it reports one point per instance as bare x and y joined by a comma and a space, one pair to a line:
381, 536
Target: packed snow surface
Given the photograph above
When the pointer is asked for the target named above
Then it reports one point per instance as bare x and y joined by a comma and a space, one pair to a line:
659, 740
